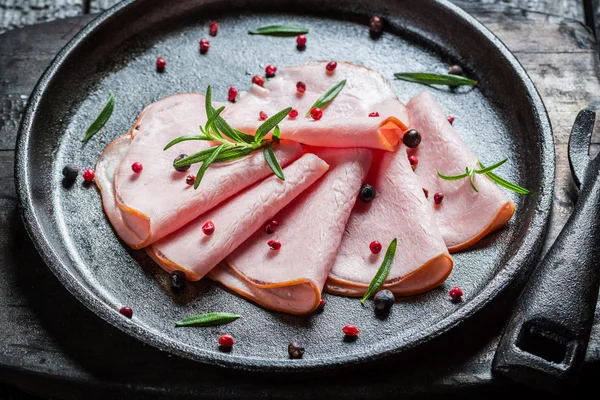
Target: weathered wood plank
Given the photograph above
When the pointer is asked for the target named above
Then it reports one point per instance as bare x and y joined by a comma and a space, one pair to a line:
17, 13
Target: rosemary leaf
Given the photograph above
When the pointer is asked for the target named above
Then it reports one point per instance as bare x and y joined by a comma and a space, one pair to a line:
184, 138
471, 174
505, 184
452, 177
194, 158
213, 116
269, 124
382, 272
207, 163
208, 319
276, 134
235, 153
244, 136
220, 126
279, 30
272, 162
327, 97
491, 167
435, 79
102, 118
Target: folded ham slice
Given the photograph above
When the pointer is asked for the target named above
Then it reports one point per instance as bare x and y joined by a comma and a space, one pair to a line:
310, 230
148, 206
345, 122
465, 216
400, 210
195, 253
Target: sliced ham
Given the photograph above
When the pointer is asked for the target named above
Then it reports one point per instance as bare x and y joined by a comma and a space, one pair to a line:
148, 206
310, 230
465, 216
195, 253
345, 122
400, 211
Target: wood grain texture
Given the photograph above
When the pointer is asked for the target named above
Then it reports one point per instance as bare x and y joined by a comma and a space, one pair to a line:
17, 13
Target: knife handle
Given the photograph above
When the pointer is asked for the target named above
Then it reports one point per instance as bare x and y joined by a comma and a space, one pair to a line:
545, 342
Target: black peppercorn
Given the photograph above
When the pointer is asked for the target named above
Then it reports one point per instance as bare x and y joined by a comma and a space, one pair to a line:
411, 138
70, 172
376, 24
295, 350
367, 193
185, 167
178, 279
455, 70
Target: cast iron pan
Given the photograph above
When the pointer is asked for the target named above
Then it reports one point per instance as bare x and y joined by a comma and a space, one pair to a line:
504, 117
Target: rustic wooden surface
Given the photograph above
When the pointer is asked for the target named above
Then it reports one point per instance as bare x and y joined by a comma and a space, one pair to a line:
548, 37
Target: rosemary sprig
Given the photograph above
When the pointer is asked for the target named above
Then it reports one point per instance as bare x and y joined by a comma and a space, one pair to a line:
327, 97
470, 173
231, 143
279, 30
382, 272
426, 78
208, 319
102, 118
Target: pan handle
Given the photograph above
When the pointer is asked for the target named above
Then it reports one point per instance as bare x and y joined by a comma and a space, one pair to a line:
545, 341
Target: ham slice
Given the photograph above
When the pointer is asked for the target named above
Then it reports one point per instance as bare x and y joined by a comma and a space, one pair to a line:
195, 253
345, 122
400, 211
310, 230
465, 216
148, 206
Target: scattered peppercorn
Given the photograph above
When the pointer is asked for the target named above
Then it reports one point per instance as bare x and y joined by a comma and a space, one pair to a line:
293, 113
322, 305
208, 228
270, 71
455, 70
426, 192
301, 87
375, 247
271, 226
178, 279
70, 172
456, 294
316, 113
213, 28
160, 64
376, 24
258, 80
204, 45
450, 119
301, 41
183, 168
438, 198
367, 193
190, 179
137, 167
274, 244
331, 66
384, 300
411, 138
88, 175
262, 115
374, 114
226, 341
351, 331
295, 350
232, 94
414, 161
126, 312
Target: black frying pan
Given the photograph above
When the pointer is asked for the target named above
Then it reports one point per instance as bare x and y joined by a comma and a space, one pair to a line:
504, 117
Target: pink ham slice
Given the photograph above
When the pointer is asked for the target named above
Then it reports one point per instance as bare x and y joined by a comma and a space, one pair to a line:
465, 216
148, 206
345, 122
310, 230
400, 211
195, 253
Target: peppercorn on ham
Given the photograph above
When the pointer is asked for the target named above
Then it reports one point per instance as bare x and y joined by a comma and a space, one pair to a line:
400, 210
345, 121
310, 229
464, 217
195, 253
147, 206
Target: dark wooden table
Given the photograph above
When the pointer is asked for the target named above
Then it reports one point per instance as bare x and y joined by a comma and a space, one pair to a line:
53, 346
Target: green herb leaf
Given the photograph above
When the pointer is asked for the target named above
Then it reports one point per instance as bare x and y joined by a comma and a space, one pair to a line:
272, 162
102, 118
216, 150
382, 272
208, 319
452, 177
276, 136
244, 136
488, 172
213, 116
269, 124
435, 79
504, 183
220, 126
200, 156
235, 153
491, 167
279, 30
471, 174
184, 138
327, 97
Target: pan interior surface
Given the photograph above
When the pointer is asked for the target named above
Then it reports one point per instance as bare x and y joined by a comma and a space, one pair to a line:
502, 118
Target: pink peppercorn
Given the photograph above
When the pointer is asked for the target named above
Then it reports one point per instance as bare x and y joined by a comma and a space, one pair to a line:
137, 167
293, 113
232, 94
160, 64
331, 66
301, 87
208, 228
438, 198
374, 114
226, 341
258, 80
414, 161
322, 305
274, 244
126, 312
190, 179
271, 226
316, 113
450, 119
350, 330
88, 175
213, 28
301, 41
375, 247
270, 71
204, 45
262, 115
456, 293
